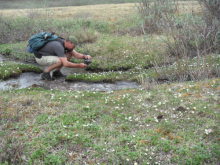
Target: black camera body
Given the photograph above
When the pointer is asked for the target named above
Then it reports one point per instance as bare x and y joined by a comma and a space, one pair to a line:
87, 61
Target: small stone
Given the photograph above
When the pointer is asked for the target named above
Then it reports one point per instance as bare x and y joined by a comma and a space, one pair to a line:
201, 114
160, 117
181, 109
84, 156
34, 85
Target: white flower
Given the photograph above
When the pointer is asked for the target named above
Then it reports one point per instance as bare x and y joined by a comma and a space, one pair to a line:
208, 131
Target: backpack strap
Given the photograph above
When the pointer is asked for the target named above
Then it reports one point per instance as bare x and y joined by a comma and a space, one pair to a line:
61, 40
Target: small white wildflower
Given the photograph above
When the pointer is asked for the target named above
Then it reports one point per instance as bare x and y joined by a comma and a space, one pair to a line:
208, 131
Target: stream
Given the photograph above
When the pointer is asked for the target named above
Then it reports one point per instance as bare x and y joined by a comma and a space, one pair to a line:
31, 79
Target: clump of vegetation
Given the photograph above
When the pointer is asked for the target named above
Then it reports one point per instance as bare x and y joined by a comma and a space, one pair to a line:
12, 69
104, 76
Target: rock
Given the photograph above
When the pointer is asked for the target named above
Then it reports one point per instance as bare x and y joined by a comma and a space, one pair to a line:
181, 109
160, 117
201, 114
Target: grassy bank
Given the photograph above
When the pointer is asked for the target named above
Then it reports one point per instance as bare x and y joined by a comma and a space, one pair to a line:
12, 69
169, 124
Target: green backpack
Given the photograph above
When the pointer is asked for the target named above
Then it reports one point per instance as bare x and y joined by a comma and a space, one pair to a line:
37, 41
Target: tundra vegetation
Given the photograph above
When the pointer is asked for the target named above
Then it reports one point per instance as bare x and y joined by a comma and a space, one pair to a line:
170, 47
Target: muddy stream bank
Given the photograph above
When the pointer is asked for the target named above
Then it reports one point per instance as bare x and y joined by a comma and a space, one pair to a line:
31, 79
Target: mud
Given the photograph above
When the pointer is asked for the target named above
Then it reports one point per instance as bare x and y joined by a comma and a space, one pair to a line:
30, 79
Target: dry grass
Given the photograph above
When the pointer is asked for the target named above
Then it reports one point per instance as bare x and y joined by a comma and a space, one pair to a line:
109, 12
103, 12
189, 6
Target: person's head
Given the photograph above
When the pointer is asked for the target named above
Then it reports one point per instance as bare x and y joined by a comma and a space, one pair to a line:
71, 42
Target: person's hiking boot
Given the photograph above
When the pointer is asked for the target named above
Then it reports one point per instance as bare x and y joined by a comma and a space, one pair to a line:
46, 76
57, 73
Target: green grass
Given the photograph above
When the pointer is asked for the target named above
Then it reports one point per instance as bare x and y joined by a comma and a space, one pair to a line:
12, 69
118, 127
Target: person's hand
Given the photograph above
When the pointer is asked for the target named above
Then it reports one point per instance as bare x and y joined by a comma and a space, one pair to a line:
87, 56
82, 65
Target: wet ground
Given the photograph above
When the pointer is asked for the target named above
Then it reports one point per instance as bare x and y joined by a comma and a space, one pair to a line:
30, 79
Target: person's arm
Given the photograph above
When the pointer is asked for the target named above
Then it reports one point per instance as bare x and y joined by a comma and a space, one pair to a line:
80, 56
66, 63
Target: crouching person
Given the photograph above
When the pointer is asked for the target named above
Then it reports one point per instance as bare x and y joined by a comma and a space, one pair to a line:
56, 54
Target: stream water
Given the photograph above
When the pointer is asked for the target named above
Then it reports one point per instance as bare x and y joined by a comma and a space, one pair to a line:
31, 79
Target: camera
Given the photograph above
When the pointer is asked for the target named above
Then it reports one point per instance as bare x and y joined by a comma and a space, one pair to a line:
87, 61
